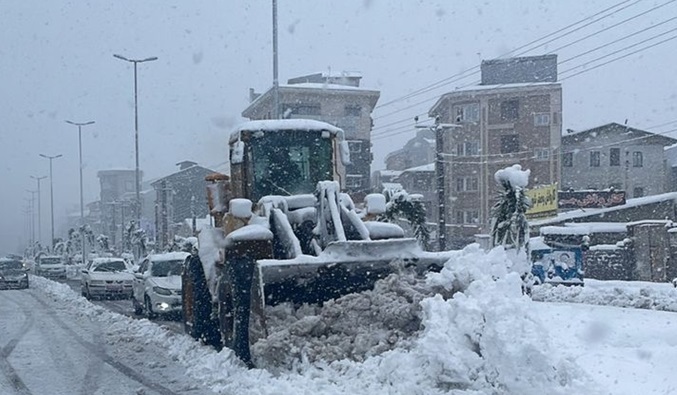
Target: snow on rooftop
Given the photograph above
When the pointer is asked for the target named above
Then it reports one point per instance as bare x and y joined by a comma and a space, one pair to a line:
428, 167
582, 213
600, 227
480, 88
392, 173
325, 85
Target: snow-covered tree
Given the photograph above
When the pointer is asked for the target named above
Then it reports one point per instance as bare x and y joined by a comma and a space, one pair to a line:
403, 206
509, 224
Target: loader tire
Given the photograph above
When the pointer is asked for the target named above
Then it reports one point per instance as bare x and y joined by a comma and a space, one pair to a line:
202, 324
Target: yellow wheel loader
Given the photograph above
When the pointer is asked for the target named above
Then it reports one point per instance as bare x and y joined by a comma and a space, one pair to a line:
284, 232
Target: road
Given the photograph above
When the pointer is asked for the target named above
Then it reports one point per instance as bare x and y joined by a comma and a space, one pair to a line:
48, 348
124, 307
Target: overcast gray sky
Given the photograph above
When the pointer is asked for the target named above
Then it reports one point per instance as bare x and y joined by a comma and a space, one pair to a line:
56, 63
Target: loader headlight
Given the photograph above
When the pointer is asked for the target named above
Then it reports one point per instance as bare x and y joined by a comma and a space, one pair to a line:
162, 291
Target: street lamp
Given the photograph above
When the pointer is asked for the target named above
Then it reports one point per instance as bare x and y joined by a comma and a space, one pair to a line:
39, 208
82, 202
136, 131
51, 190
439, 129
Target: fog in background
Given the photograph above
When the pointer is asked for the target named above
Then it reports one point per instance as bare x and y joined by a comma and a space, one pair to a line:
57, 64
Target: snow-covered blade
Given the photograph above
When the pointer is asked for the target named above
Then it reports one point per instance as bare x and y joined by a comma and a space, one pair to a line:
343, 267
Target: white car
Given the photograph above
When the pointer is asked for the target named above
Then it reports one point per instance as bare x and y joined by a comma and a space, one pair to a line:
50, 266
106, 277
157, 284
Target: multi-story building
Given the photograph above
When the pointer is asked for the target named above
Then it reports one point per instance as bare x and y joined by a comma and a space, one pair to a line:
418, 151
616, 156
179, 196
117, 200
337, 99
513, 117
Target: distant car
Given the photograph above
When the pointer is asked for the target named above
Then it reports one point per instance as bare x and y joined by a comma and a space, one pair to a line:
674, 282
13, 274
52, 266
157, 284
106, 278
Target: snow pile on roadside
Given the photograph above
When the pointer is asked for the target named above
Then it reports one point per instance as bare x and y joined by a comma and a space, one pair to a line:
639, 295
483, 340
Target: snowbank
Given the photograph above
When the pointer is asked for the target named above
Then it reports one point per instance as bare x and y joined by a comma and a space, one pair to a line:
404, 337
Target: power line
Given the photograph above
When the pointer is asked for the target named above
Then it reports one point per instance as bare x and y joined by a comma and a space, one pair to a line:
448, 80
386, 133
425, 90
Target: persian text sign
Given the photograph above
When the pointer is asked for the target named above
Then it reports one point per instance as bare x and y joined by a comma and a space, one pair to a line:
543, 200
591, 199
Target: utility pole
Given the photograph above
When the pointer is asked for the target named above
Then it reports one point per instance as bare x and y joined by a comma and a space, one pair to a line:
136, 131
276, 83
439, 129
82, 203
39, 208
31, 211
51, 191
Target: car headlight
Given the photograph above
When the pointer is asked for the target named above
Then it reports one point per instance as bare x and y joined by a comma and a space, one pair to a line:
162, 291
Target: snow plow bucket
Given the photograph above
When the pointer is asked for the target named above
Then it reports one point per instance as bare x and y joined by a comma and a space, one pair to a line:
343, 267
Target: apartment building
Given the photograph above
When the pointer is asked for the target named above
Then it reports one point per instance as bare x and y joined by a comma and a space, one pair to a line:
616, 156
335, 98
513, 117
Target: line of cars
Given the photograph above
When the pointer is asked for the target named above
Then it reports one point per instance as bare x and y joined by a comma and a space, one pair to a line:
153, 286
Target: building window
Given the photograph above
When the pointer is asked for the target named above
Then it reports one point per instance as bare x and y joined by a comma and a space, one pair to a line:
594, 159
542, 119
354, 146
301, 109
542, 153
614, 157
353, 181
568, 159
637, 192
510, 110
468, 112
466, 184
353, 110
637, 159
467, 217
468, 148
509, 143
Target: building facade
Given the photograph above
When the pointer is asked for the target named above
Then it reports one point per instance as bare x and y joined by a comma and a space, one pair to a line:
179, 196
513, 117
418, 151
117, 200
337, 99
616, 156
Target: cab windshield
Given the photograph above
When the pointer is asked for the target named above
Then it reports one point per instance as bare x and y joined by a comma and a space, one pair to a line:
290, 162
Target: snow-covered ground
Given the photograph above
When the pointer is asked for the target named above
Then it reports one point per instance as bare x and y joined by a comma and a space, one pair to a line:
413, 337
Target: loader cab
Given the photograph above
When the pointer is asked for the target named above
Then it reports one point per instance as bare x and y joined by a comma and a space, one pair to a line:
283, 157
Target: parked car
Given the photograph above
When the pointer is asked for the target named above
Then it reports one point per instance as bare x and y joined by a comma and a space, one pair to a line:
50, 266
157, 284
106, 278
13, 274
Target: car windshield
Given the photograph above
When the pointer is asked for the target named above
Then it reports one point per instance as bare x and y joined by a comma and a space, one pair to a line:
166, 268
11, 265
112, 266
